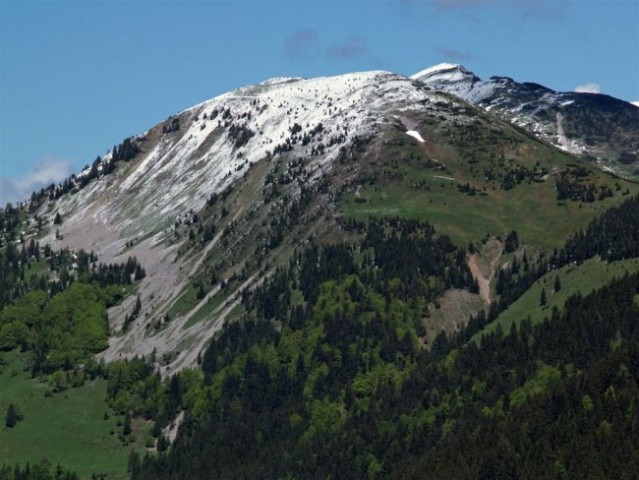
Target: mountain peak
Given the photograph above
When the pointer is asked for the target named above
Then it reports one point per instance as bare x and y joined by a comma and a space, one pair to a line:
447, 74
556, 117
449, 77
442, 68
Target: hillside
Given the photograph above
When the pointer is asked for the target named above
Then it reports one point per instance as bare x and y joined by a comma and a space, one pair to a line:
322, 250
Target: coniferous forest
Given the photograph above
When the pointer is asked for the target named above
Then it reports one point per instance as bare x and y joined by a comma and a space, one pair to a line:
336, 385
327, 374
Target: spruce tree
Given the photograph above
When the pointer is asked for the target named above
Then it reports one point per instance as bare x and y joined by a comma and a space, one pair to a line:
557, 285
126, 428
11, 417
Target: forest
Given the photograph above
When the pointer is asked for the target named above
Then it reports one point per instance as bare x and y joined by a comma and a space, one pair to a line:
335, 384
328, 373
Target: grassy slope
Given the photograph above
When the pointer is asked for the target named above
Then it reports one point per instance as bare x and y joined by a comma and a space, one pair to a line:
590, 275
67, 428
532, 210
408, 187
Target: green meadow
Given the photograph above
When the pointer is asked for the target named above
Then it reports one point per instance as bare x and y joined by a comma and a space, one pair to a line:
69, 427
582, 279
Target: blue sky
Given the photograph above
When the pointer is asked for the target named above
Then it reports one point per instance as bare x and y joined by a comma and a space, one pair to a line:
77, 76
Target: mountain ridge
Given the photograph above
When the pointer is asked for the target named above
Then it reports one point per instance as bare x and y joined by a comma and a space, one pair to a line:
565, 119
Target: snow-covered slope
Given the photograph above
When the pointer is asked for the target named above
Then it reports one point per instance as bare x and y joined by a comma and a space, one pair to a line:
597, 126
219, 139
452, 78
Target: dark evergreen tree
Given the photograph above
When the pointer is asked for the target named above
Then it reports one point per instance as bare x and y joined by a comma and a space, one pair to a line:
126, 427
12, 416
557, 284
543, 300
512, 242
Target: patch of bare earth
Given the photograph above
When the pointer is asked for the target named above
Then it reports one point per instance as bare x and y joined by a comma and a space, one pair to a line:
453, 311
483, 266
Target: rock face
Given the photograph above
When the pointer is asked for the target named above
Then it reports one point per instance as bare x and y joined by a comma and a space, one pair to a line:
597, 127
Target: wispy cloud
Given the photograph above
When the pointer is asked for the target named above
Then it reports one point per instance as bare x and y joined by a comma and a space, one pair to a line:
353, 48
455, 55
529, 5
462, 4
45, 172
588, 88
301, 45
527, 8
305, 46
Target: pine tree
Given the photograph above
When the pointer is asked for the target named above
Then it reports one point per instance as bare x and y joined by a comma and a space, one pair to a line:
134, 463
126, 428
138, 306
542, 299
512, 242
12, 416
163, 444
557, 285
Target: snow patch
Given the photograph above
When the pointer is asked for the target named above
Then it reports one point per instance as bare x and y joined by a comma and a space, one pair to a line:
279, 80
563, 141
415, 135
442, 67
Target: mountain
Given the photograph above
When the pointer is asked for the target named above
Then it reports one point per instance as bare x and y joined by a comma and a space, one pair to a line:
323, 270
213, 188
258, 149
597, 127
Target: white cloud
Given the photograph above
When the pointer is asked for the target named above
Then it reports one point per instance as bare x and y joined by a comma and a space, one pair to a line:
49, 170
588, 88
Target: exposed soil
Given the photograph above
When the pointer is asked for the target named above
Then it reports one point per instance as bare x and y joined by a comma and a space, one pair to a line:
483, 266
